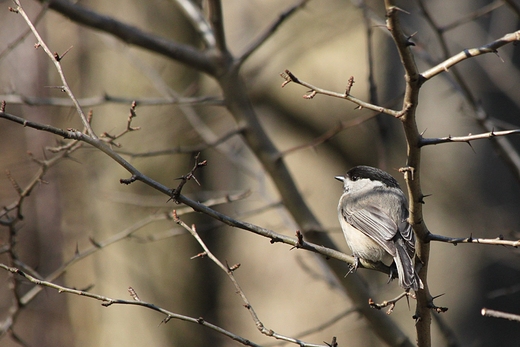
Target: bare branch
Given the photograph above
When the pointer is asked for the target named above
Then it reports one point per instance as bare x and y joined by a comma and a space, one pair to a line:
390, 303
132, 35
106, 301
282, 17
107, 98
499, 241
55, 58
472, 16
185, 149
328, 135
199, 207
290, 77
201, 25
247, 304
491, 47
498, 314
217, 24
468, 138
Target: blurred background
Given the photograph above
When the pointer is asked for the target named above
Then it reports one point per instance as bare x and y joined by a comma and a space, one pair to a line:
473, 191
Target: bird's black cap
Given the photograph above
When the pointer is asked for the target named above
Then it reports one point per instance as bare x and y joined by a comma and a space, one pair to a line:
372, 173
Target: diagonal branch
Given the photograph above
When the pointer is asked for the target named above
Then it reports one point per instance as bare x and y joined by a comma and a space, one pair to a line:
197, 206
229, 270
56, 60
282, 17
201, 25
132, 35
491, 47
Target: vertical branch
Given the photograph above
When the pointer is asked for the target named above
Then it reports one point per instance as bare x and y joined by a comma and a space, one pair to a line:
217, 23
412, 170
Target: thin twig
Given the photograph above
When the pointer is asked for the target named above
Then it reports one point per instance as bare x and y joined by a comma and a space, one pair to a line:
247, 304
185, 149
271, 29
107, 301
390, 303
121, 235
498, 314
290, 77
499, 241
470, 17
328, 135
333, 320
55, 58
108, 98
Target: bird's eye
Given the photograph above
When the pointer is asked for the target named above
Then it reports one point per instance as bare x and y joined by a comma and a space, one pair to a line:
354, 178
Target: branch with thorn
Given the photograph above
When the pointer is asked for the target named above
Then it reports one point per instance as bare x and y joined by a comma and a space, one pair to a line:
391, 303
185, 178
111, 138
467, 139
229, 271
499, 241
136, 301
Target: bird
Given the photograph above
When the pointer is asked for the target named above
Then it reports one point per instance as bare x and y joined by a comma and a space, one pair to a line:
373, 215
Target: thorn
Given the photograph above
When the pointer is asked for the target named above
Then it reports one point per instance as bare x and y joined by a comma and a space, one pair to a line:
94, 242
498, 55
471, 146
299, 243
334, 343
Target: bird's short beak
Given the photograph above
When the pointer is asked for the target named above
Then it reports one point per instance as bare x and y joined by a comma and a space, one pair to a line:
340, 178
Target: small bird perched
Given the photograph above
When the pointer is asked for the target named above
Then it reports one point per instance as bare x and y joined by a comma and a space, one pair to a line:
373, 214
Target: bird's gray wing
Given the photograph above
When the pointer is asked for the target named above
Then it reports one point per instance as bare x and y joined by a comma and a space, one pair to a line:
406, 231
374, 223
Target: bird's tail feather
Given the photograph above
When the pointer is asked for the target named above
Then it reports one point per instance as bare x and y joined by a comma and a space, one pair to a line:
408, 277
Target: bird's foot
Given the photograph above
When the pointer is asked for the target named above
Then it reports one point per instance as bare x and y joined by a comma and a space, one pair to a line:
393, 273
353, 267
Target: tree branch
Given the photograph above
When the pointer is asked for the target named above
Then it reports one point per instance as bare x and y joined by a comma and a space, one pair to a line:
55, 58
491, 47
468, 138
107, 301
282, 17
499, 241
132, 35
290, 77
413, 169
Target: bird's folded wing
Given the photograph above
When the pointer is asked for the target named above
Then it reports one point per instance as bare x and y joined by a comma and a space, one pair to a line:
375, 224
